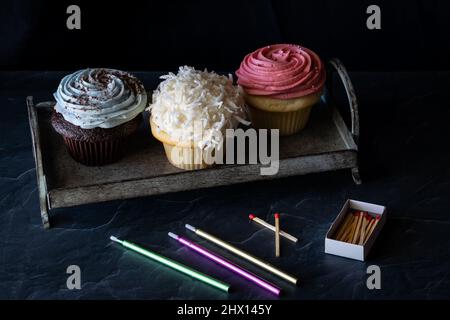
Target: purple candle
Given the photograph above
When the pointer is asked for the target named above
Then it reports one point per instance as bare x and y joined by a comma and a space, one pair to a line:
220, 260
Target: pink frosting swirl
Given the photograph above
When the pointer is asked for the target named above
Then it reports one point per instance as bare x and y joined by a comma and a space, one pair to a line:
282, 71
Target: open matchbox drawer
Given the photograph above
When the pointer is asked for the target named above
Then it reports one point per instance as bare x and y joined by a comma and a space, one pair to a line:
349, 250
325, 144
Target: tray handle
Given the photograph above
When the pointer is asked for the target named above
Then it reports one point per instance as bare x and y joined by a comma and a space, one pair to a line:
41, 180
337, 65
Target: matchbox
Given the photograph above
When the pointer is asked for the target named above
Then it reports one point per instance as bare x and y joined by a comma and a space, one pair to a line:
355, 229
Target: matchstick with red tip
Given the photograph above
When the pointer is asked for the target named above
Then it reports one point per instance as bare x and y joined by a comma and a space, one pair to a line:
271, 227
347, 235
277, 235
365, 222
343, 227
372, 227
355, 227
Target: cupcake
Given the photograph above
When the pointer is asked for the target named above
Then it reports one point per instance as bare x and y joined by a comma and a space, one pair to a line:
281, 83
190, 112
96, 111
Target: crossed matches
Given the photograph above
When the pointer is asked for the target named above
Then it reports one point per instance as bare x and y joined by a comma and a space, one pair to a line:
276, 229
357, 227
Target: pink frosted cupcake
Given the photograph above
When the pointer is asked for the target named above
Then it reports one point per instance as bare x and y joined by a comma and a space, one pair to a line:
281, 84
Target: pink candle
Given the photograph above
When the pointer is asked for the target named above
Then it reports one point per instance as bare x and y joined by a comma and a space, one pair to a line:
220, 260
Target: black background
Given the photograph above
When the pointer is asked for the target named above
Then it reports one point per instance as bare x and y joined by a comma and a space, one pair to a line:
403, 152
161, 35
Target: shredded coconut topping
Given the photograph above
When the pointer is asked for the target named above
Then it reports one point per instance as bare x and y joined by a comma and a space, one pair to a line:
190, 98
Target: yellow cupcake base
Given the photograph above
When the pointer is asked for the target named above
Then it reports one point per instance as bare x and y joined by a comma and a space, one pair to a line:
289, 116
185, 158
183, 155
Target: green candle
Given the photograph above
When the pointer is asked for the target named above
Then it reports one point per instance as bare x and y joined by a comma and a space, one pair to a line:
174, 265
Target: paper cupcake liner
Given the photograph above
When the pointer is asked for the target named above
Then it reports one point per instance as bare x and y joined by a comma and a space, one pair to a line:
287, 122
95, 153
186, 158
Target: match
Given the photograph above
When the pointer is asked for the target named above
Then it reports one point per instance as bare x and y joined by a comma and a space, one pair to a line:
271, 227
277, 235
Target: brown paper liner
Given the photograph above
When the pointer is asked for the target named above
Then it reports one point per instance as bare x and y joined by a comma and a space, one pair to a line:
95, 153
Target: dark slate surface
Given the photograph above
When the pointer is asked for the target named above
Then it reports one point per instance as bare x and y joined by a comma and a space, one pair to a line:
405, 166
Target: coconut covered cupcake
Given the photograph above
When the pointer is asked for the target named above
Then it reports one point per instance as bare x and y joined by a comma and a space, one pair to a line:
190, 112
96, 111
281, 83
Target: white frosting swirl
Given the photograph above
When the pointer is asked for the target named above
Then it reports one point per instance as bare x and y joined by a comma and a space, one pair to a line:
193, 96
103, 98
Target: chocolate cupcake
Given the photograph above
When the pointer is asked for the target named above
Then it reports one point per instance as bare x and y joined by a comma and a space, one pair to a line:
96, 111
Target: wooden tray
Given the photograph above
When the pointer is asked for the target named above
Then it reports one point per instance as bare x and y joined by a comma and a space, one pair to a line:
325, 144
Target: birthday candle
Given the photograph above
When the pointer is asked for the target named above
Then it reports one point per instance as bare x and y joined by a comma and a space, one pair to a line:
242, 254
174, 265
230, 266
